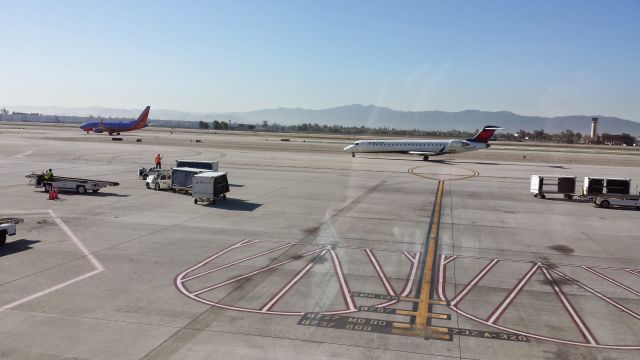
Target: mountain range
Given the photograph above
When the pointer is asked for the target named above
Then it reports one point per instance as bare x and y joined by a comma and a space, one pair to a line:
370, 116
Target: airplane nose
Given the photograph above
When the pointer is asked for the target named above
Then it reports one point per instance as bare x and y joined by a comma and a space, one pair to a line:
348, 147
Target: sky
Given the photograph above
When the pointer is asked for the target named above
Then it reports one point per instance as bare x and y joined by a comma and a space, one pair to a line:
548, 58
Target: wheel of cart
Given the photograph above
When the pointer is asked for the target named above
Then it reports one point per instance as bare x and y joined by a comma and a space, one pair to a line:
605, 204
81, 189
3, 237
568, 196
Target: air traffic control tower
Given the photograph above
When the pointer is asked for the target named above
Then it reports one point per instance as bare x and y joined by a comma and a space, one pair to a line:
594, 129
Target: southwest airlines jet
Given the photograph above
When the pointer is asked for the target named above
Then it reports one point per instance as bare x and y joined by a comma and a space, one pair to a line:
424, 148
102, 126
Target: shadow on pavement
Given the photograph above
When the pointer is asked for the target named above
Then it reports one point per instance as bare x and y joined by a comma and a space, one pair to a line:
13, 247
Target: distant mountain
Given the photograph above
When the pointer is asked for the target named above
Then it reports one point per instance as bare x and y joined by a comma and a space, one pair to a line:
371, 116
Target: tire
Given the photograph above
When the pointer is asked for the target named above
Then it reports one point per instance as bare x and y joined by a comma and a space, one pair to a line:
543, 196
47, 188
157, 186
224, 196
95, 190
425, 158
3, 237
147, 185
567, 196
81, 189
195, 201
605, 204
535, 195
174, 190
145, 176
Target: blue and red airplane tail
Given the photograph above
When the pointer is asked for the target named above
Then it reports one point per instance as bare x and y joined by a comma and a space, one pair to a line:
485, 134
143, 119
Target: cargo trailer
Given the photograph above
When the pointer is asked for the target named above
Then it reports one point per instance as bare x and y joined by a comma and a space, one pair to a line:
182, 178
595, 186
210, 186
553, 184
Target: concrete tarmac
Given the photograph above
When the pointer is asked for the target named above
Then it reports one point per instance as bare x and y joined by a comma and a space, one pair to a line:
314, 254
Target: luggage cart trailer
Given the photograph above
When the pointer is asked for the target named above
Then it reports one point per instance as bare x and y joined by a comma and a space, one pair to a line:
553, 184
209, 186
595, 186
81, 186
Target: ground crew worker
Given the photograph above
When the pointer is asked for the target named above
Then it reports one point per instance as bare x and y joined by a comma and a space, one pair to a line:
49, 175
158, 161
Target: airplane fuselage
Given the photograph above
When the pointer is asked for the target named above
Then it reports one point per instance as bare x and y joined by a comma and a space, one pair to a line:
418, 147
111, 127
116, 127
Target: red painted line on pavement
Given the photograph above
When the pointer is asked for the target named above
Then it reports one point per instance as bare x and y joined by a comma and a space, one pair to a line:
575, 317
476, 279
344, 286
236, 262
448, 259
408, 282
498, 311
271, 303
253, 272
634, 272
381, 274
598, 294
612, 281
441, 291
214, 256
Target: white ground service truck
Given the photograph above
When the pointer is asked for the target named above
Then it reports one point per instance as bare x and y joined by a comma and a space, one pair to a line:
609, 200
159, 181
8, 228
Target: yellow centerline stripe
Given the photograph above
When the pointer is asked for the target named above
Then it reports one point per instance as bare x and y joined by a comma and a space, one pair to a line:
425, 291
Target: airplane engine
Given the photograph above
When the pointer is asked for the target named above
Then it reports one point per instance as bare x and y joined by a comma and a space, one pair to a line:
98, 131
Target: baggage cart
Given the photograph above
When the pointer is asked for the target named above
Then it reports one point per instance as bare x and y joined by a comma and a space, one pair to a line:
541, 185
209, 187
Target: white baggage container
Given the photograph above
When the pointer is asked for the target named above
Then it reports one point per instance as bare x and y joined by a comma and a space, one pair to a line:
209, 186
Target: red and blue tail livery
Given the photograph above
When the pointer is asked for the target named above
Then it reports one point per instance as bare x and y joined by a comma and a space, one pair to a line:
485, 134
117, 127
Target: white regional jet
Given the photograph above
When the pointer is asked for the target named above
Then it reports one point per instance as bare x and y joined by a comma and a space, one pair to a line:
424, 148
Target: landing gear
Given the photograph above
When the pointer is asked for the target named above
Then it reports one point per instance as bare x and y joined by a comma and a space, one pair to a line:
353, 154
425, 158
118, 133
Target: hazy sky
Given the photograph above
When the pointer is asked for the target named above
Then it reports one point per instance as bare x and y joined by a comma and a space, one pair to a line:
530, 57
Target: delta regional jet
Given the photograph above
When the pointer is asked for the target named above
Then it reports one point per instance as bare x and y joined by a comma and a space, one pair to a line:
424, 148
117, 127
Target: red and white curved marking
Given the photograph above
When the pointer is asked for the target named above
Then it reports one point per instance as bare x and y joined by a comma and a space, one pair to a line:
591, 341
349, 302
